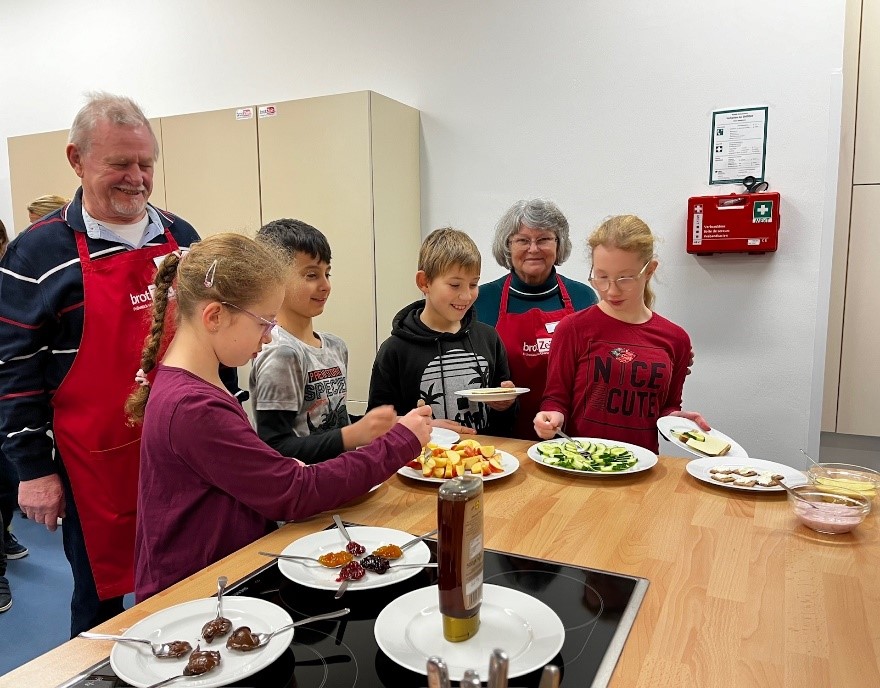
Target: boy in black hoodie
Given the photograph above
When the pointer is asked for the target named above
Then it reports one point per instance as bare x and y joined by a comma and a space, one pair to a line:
437, 347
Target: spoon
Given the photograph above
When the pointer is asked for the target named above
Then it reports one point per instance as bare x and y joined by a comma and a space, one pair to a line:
581, 449
263, 638
815, 463
174, 649
550, 677
212, 661
353, 547
438, 674
499, 664
219, 626
294, 557
793, 493
417, 540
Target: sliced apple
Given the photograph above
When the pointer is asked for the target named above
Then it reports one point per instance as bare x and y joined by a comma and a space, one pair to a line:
453, 456
439, 472
495, 465
487, 450
449, 472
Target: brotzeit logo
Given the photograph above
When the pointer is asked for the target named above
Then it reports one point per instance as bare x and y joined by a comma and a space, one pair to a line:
541, 347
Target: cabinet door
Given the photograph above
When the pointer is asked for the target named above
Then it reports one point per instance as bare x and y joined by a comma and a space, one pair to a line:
211, 171
38, 166
867, 155
315, 167
860, 362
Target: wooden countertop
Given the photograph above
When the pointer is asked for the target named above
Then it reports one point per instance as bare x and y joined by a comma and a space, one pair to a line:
740, 593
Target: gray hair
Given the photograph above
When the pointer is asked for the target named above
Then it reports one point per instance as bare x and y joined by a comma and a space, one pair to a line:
119, 110
539, 213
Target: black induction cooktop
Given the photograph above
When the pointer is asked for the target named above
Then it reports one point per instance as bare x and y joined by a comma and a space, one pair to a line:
596, 607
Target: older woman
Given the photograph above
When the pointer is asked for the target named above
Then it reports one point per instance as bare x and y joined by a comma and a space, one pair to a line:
531, 238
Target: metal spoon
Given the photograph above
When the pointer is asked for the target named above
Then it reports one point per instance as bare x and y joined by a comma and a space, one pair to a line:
417, 540
438, 674
263, 638
498, 667
341, 526
471, 679
294, 557
184, 675
793, 493
581, 449
220, 625
162, 650
815, 463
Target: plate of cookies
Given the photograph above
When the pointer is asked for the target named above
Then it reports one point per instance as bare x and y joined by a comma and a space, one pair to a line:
752, 475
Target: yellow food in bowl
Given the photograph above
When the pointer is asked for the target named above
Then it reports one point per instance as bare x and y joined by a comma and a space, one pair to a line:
865, 487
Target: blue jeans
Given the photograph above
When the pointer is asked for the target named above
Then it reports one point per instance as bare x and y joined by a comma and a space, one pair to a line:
86, 610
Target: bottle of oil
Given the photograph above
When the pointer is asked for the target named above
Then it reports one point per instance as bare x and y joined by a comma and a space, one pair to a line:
460, 555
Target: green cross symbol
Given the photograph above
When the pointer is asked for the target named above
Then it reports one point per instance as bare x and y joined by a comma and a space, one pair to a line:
762, 211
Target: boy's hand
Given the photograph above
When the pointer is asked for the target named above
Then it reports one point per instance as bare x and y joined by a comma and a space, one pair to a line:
502, 405
419, 422
452, 425
547, 423
376, 422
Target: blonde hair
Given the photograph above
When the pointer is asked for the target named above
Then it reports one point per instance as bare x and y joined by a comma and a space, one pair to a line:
224, 267
447, 248
43, 205
627, 233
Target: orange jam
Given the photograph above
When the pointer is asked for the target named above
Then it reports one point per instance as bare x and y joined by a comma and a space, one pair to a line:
333, 560
389, 552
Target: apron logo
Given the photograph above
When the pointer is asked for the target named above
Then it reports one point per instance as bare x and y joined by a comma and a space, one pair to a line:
541, 347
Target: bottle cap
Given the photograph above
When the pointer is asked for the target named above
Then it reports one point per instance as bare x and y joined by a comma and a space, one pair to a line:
455, 630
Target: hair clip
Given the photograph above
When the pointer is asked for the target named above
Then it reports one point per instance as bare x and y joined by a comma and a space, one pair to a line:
209, 275
141, 378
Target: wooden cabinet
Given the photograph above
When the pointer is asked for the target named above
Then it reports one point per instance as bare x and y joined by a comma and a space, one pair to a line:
349, 165
866, 169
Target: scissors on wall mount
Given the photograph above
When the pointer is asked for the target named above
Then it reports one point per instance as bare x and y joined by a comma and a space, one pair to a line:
754, 185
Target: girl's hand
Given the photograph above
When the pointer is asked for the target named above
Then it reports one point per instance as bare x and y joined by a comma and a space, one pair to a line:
419, 422
376, 422
502, 405
547, 423
694, 416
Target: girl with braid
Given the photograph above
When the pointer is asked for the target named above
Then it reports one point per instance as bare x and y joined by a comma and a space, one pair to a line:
208, 484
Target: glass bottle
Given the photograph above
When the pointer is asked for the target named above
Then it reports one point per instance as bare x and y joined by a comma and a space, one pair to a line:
460, 555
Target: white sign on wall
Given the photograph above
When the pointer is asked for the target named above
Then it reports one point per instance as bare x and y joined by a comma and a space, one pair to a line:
739, 145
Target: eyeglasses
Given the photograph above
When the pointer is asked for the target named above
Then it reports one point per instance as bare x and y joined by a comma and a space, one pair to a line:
525, 244
623, 283
267, 324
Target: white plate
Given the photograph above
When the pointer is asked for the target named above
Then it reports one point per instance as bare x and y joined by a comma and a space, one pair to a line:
137, 665
325, 541
410, 629
699, 468
668, 423
645, 458
444, 436
496, 393
508, 462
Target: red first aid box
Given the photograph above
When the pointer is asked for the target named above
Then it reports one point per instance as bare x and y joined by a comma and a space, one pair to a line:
744, 223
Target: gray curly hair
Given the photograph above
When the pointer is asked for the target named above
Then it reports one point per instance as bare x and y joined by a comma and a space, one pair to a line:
539, 213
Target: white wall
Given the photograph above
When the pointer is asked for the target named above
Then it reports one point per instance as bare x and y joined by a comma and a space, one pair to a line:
604, 106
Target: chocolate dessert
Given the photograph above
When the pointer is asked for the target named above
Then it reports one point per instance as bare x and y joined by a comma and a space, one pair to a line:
216, 628
201, 662
242, 639
178, 648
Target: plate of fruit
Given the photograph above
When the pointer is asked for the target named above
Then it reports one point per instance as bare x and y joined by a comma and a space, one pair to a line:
438, 463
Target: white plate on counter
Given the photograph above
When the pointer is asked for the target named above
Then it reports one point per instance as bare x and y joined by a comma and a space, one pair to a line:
313, 575
508, 462
137, 665
700, 469
410, 629
492, 393
667, 424
645, 459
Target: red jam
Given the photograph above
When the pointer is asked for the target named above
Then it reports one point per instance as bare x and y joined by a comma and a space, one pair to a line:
356, 548
351, 571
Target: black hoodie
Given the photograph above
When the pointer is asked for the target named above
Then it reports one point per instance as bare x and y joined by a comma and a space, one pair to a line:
416, 362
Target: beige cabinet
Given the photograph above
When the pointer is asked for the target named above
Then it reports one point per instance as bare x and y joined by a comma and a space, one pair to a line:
349, 165
38, 166
852, 368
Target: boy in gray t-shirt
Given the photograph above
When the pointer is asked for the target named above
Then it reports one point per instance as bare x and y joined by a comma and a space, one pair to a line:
298, 381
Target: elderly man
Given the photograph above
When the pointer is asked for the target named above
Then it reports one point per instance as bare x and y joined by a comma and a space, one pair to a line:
73, 289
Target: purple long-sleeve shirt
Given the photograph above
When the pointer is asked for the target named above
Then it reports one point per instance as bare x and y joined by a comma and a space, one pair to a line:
209, 485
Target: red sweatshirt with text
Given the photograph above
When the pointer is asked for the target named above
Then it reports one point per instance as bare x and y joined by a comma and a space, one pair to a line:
612, 379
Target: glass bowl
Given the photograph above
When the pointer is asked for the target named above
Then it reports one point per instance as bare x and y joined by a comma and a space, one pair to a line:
845, 476
830, 510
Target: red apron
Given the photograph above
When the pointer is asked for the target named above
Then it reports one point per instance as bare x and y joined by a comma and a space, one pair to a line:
101, 453
526, 337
